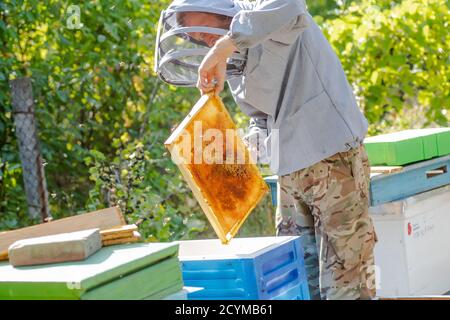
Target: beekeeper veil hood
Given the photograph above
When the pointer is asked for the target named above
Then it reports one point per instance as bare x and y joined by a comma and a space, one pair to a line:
178, 54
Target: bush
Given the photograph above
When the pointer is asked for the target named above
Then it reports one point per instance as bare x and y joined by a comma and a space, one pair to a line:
396, 56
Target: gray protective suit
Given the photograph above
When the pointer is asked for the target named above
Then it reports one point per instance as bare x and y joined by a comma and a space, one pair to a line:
292, 85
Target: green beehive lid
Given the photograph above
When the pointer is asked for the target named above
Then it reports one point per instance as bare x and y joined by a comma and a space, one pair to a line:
400, 148
443, 142
72, 280
162, 294
164, 276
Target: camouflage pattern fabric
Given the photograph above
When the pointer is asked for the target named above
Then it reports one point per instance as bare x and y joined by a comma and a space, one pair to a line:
328, 202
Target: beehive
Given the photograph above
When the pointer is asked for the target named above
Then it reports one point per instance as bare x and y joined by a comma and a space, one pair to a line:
121, 272
259, 268
217, 166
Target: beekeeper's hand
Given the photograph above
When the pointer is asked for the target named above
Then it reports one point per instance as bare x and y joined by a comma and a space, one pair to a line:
254, 140
212, 70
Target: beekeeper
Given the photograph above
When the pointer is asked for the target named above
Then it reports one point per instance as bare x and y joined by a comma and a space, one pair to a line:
304, 118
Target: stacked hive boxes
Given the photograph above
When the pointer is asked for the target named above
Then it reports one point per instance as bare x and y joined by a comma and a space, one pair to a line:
410, 211
135, 271
425, 152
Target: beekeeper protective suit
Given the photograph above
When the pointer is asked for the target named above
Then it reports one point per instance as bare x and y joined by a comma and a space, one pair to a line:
287, 78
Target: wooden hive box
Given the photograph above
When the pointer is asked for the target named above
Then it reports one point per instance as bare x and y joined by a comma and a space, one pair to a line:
217, 166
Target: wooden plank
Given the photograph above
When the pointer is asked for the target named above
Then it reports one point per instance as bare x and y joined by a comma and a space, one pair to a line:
134, 238
125, 228
72, 246
385, 169
434, 173
118, 233
372, 174
102, 219
4, 255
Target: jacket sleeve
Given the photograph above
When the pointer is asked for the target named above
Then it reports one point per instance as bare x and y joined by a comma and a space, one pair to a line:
279, 20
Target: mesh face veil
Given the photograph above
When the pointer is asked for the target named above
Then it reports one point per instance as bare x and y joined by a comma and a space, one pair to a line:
178, 54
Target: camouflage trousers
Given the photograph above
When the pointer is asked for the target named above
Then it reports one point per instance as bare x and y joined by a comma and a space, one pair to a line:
328, 204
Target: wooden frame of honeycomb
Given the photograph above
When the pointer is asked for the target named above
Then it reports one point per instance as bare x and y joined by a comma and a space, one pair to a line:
217, 166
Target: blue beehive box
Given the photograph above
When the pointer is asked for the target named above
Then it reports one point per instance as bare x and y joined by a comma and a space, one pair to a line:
272, 181
411, 180
263, 268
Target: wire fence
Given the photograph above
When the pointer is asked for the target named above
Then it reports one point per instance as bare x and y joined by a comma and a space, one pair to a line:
29, 150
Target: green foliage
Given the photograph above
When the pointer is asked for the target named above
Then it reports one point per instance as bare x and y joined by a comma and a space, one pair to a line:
162, 207
325, 8
103, 116
396, 55
11, 197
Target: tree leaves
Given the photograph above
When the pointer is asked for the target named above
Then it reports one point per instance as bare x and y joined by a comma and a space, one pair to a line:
391, 52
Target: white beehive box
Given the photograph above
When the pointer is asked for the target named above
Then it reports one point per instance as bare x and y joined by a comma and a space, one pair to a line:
413, 250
